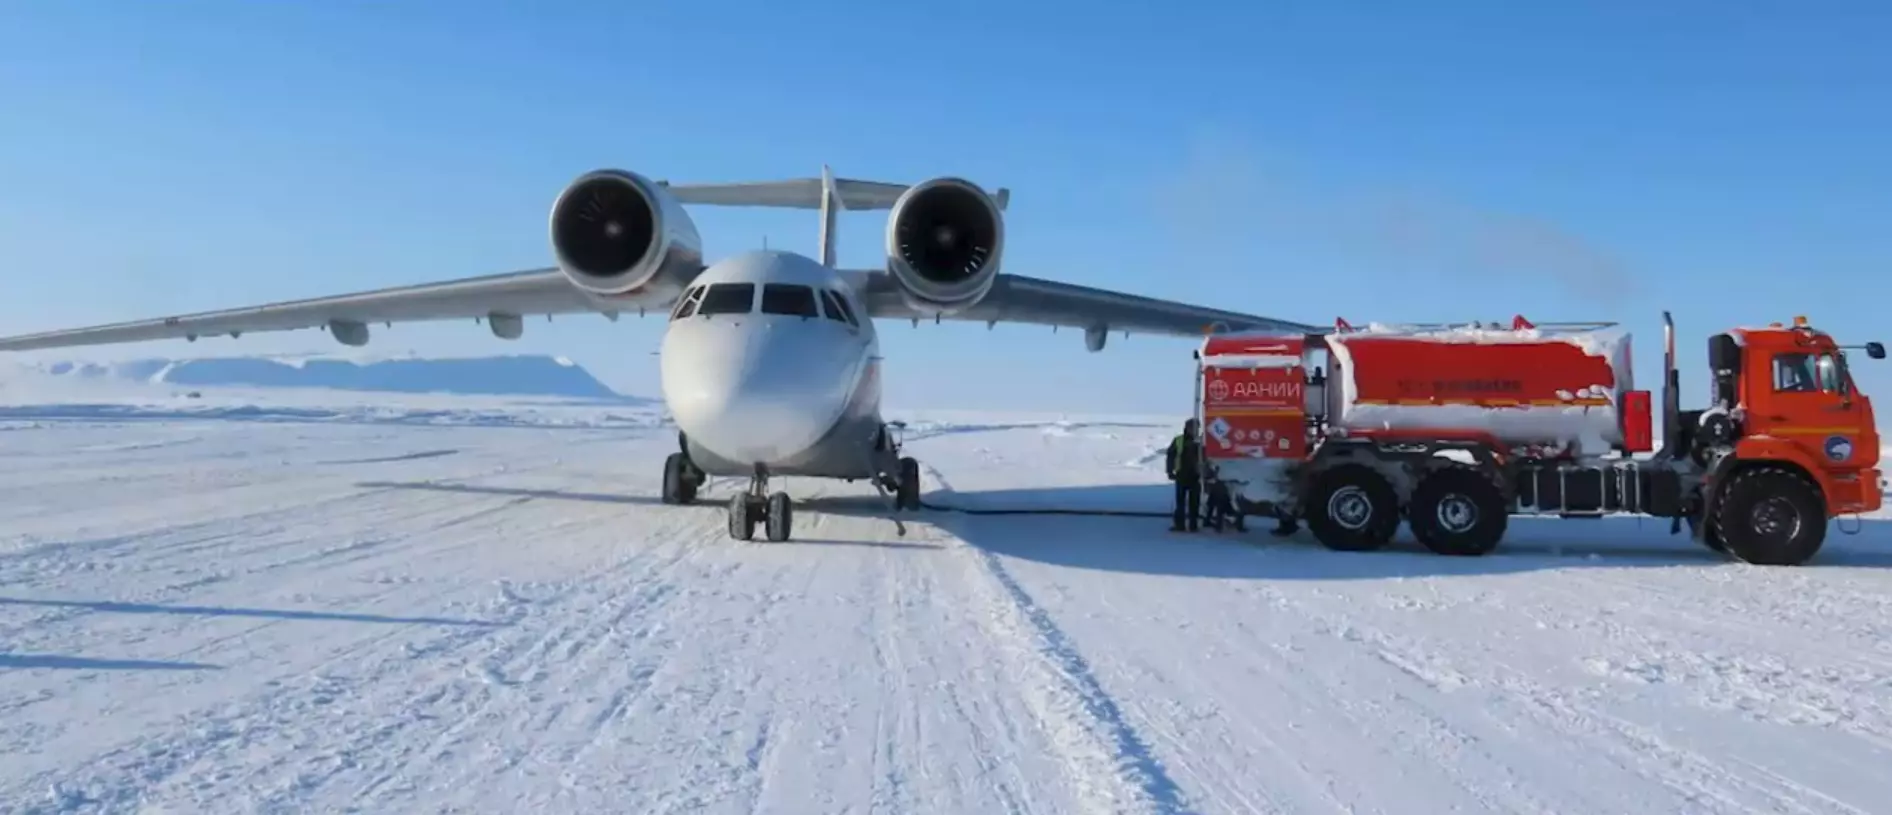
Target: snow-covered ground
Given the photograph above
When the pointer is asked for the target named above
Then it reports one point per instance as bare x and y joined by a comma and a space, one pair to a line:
477, 607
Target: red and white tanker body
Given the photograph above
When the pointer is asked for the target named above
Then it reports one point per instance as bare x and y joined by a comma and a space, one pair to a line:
1454, 428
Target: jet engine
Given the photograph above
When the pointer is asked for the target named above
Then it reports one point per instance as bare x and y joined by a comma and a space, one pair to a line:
616, 233
944, 239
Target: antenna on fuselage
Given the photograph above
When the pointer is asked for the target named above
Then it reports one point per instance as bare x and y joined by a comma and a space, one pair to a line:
831, 207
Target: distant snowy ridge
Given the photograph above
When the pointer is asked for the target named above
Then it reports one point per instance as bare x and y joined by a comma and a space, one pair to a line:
523, 375
33, 417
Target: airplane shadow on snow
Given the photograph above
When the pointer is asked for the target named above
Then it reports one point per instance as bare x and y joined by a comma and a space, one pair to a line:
118, 607
1145, 545
72, 663
860, 506
66, 662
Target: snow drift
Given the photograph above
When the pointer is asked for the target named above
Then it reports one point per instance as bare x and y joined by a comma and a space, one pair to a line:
526, 375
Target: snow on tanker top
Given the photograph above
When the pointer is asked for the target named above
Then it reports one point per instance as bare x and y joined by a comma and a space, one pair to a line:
1521, 385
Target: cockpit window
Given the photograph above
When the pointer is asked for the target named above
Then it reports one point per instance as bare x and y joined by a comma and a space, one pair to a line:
837, 306
686, 305
727, 298
789, 299
828, 307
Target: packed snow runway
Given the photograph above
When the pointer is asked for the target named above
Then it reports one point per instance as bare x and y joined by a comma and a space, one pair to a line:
208, 610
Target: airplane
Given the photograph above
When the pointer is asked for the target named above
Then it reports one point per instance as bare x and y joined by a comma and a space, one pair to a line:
770, 363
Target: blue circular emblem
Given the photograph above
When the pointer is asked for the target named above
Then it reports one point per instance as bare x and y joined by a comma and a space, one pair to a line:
1839, 448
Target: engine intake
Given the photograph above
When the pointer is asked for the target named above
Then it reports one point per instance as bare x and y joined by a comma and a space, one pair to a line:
616, 233
945, 237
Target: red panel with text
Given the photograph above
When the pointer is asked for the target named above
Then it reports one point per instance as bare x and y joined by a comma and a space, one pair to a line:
1254, 412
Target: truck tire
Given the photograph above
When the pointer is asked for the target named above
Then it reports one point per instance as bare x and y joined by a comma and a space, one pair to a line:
1353, 509
1771, 516
1458, 511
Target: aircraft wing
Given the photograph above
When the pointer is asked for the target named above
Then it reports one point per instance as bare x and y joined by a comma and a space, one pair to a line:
1036, 301
512, 294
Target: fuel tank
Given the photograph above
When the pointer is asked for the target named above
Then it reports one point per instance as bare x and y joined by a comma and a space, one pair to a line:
1521, 385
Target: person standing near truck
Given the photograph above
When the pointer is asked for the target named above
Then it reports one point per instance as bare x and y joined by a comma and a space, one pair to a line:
1184, 466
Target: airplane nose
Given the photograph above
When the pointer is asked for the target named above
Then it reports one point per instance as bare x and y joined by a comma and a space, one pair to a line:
737, 393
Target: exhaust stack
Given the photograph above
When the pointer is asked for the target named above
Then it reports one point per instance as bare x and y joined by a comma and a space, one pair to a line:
1671, 392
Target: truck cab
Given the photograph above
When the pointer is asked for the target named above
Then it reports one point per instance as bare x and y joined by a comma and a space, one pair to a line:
1802, 405
1785, 409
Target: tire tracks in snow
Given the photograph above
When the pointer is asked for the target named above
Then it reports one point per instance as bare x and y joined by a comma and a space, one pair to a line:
357, 690
1111, 758
562, 628
197, 542
330, 688
1769, 664
1703, 782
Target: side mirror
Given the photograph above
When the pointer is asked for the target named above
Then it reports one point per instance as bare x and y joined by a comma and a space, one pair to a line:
1875, 350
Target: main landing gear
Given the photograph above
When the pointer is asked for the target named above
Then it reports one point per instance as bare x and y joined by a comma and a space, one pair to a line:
750, 507
904, 485
773, 510
681, 479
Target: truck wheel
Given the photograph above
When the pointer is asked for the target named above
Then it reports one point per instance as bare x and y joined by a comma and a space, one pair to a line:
1458, 511
1770, 516
1353, 509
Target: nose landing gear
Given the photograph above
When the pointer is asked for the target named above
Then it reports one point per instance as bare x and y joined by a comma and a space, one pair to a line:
757, 505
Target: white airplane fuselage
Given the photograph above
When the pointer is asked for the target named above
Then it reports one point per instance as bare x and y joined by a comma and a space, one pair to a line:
760, 366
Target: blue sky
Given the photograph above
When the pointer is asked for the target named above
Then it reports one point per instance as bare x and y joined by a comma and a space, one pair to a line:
1415, 161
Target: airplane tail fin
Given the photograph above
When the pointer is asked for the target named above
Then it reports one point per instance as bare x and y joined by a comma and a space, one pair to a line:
831, 206
826, 193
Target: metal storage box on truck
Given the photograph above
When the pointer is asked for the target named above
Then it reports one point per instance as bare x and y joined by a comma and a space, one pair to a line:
1253, 409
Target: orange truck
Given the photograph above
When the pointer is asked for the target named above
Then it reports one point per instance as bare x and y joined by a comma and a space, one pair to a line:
1453, 430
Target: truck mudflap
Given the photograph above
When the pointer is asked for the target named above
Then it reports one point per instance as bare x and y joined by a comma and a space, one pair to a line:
1712, 484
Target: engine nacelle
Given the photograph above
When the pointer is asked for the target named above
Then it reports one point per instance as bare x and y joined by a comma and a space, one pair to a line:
617, 234
944, 240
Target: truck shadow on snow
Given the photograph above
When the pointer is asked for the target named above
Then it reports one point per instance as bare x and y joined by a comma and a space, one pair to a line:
1145, 545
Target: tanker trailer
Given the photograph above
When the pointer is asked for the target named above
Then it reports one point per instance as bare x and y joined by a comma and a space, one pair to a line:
1453, 429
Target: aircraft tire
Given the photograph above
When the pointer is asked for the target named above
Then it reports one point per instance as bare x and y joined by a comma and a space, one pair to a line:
678, 486
741, 517
907, 497
780, 517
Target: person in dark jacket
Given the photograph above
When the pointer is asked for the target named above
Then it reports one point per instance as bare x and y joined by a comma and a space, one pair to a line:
1184, 466
1220, 509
